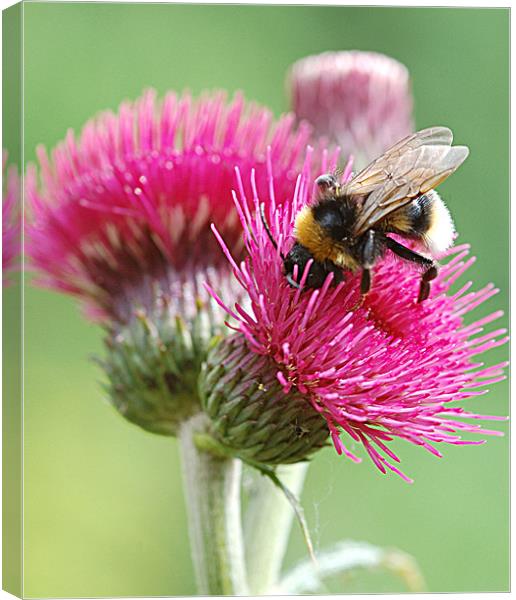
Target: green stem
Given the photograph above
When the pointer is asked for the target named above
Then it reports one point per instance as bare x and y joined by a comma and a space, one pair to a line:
212, 491
267, 526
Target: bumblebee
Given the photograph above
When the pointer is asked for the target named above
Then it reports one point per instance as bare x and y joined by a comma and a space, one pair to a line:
347, 228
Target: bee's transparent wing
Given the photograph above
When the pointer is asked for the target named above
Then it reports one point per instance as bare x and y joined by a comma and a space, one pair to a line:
411, 167
375, 174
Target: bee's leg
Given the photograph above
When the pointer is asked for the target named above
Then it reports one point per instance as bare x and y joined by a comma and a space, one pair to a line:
369, 250
424, 288
365, 281
431, 267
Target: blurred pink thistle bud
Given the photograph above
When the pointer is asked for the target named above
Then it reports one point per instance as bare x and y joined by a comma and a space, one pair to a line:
389, 369
360, 100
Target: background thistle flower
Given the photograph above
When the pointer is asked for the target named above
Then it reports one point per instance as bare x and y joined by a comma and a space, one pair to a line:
121, 220
360, 100
10, 221
130, 203
386, 370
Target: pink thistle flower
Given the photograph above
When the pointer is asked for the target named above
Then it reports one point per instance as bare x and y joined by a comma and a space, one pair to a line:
390, 369
10, 222
361, 100
130, 202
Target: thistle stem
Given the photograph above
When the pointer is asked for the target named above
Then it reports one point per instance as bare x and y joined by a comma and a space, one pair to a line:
212, 493
267, 527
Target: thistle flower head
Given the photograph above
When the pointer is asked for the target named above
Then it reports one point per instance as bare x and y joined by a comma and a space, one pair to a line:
361, 100
10, 221
129, 203
391, 368
121, 220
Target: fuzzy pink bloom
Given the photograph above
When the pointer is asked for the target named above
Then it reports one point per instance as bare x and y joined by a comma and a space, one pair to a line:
361, 100
129, 204
10, 221
392, 368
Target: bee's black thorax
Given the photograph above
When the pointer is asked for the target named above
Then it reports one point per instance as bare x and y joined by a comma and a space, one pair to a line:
324, 231
336, 217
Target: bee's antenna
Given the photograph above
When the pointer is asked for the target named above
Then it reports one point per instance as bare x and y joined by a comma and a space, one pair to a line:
268, 230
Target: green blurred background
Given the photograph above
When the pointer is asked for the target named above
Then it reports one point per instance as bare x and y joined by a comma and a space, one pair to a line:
104, 512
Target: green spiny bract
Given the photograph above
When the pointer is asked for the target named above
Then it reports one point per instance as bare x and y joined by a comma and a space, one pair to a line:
152, 366
251, 415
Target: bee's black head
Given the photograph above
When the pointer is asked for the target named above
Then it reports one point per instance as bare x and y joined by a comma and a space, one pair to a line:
327, 185
299, 255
